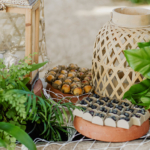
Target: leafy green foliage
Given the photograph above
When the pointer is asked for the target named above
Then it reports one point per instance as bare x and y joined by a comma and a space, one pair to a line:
16, 132
13, 104
36, 66
137, 92
139, 89
142, 45
51, 117
139, 60
19, 105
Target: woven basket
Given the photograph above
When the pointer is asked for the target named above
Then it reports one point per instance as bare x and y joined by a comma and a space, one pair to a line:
112, 75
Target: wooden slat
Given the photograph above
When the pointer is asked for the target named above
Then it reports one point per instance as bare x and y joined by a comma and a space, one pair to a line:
16, 10
37, 5
33, 33
37, 18
28, 33
32, 22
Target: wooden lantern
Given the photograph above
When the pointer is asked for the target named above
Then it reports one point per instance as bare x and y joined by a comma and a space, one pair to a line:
112, 75
31, 10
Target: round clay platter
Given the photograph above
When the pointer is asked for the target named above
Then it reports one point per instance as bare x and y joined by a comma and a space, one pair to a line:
109, 134
69, 97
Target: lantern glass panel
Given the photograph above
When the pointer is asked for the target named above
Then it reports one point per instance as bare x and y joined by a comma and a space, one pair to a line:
12, 37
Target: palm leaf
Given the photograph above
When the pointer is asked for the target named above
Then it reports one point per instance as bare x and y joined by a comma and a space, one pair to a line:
23, 85
26, 80
138, 89
57, 117
36, 66
64, 112
60, 115
139, 60
19, 134
45, 128
143, 44
43, 105
28, 104
70, 112
33, 110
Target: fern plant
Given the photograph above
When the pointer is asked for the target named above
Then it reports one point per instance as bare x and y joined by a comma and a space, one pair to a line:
14, 105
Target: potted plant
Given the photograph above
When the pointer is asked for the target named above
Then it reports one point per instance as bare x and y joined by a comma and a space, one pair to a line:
14, 104
19, 105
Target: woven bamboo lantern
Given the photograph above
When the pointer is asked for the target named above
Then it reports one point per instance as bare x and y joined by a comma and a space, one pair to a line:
112, 75
27, 30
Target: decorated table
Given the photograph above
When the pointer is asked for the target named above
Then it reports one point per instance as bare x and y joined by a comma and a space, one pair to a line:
77, 141
72, 107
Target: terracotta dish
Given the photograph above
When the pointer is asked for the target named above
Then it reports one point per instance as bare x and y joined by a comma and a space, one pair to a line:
38, 88
70, 97
109, 134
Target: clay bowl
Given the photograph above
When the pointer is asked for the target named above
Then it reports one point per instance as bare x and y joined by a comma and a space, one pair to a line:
58, 94
38, 88
109, 134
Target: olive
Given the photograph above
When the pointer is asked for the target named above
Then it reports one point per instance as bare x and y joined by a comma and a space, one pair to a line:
124, 118
96, 96
100, 102
115, 101
106, 99
113, 117
93, 106
83, 102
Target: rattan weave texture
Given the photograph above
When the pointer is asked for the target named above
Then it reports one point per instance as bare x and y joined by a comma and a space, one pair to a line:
111, 72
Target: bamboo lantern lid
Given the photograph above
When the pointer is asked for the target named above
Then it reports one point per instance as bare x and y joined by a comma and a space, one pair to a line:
19, 3
131, 17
